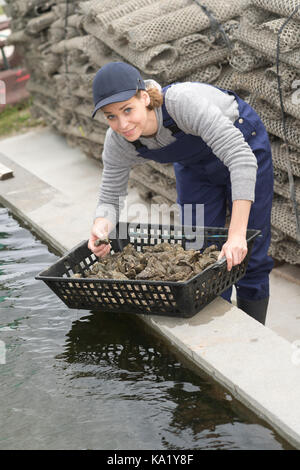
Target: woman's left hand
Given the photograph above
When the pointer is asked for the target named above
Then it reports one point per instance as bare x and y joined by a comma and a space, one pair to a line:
235, 250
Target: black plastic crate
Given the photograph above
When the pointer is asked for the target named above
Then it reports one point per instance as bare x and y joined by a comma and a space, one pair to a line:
178, 299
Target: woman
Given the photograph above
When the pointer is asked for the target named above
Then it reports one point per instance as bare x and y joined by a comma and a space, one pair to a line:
221, 155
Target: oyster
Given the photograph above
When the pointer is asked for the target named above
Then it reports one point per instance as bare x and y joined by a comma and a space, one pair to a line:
161, 262
102, 241
154, 270
210, 249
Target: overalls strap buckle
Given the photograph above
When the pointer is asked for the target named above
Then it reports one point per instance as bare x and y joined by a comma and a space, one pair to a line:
138, 145
173, 128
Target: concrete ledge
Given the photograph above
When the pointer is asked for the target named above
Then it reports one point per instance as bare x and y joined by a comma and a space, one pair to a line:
36, 202
286, 271
252, 361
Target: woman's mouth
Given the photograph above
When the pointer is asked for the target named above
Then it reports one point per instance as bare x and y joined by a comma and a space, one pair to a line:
129, 133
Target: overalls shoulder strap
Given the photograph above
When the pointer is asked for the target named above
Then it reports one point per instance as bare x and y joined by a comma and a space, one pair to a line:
168, 122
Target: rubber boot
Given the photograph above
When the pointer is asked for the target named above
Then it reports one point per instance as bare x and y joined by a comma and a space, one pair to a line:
257, 309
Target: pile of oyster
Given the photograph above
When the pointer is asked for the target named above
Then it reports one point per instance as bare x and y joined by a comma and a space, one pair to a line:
167, 262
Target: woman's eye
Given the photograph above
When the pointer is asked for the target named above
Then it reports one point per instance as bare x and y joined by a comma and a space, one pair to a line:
110, 117
127, 110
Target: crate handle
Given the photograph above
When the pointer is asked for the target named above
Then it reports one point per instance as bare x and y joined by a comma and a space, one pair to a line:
220, 263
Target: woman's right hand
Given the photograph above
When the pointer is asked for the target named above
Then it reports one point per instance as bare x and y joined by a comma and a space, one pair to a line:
101, 229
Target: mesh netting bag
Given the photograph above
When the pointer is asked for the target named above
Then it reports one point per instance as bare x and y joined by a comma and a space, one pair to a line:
285, 250
276, 127
105, 18
38, 88
74, 68
186, 64
61, 10
187, 20
155, 181
152, 61
207, 74
244, 59
290, 35
50, 64
210, 39
93, 8
287, 74
77, 129
56, 34
18, 37
98, 53
280, 158
280, 176
146, 194
169, 61
85, 49
76, 43
167, 40
76, 22
46, 107
266, 43
281, 7
256, 83
166, 169
283, 189
277, 235
87, 147
60, 29
36, 25
254, 16
120, 26
193, 44
272, 120
23, 7
44, 64
265, 109
226, 78
283, 217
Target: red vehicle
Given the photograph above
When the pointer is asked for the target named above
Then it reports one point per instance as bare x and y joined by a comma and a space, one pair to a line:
13, 77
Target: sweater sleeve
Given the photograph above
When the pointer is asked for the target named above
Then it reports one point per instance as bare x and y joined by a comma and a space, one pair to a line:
196, 115
117, 162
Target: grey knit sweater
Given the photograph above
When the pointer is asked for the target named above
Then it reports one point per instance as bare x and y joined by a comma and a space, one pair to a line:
198, 109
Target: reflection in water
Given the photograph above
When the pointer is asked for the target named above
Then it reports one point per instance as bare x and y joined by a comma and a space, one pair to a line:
118, 347
81, 380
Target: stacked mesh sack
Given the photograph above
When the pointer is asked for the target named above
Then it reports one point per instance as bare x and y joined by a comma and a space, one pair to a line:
65, 42
253, 74
167, 40
54, 45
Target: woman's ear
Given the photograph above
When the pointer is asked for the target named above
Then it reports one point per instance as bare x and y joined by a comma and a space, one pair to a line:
146, 97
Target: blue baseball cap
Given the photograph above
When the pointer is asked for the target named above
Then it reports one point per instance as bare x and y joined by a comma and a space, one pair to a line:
114, 82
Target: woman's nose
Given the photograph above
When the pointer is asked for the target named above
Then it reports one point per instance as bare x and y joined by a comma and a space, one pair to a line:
123, 122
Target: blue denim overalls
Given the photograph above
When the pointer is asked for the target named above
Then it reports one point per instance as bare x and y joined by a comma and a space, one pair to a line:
201, 178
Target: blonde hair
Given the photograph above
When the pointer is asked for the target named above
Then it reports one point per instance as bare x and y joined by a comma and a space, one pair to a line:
156, 97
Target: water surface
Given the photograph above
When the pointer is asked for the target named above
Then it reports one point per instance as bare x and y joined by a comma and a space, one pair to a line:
74, 379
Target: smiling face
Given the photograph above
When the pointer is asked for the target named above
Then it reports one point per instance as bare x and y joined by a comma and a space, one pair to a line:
131, 118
